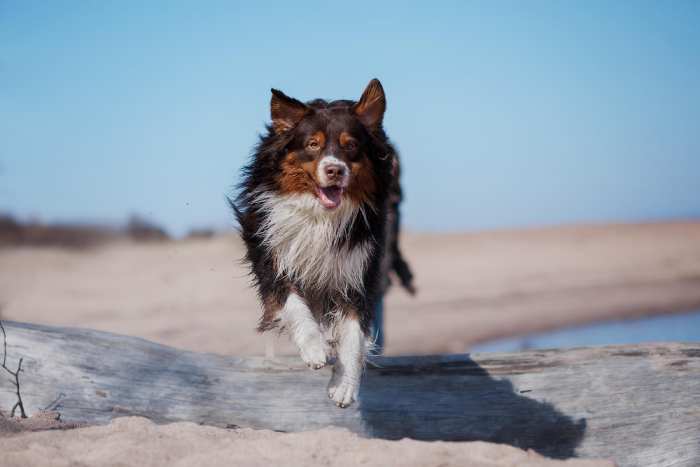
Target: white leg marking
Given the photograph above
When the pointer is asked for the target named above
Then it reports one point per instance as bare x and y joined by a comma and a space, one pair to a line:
305, 331
347, 371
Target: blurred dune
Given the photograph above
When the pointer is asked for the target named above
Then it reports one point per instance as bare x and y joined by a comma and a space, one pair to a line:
14, 232
195, 294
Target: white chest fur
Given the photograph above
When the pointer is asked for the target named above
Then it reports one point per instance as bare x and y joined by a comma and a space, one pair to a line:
303, 237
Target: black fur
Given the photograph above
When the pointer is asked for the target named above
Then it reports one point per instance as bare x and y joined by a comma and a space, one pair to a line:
262, 173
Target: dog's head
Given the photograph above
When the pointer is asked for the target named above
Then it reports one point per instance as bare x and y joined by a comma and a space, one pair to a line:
329, 147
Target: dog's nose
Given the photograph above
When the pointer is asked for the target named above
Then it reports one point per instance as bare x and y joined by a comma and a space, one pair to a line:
334, 171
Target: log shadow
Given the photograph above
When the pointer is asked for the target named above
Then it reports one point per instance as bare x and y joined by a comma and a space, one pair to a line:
454, 399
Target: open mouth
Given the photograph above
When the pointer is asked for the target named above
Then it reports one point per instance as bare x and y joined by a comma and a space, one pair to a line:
330, 196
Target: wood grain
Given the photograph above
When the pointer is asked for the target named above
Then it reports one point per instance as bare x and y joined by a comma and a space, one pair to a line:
639, 405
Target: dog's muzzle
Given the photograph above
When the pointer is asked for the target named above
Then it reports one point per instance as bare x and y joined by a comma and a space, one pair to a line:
333, 176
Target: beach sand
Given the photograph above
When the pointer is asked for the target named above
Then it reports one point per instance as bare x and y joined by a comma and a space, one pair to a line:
137, 441
472, 287
195, 294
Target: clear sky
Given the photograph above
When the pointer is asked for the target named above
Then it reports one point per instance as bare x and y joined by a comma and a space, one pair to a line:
505, 113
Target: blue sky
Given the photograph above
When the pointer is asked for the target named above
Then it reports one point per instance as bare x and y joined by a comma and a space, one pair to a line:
506, 113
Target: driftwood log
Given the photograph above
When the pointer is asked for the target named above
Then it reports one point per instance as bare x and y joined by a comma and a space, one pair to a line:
639, 405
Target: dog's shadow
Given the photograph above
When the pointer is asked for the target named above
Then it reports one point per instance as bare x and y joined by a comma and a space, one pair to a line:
454, 399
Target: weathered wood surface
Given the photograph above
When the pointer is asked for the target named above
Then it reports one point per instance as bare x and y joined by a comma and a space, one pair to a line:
639, 405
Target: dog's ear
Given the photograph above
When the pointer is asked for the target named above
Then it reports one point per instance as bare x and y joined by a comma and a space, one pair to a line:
371, 106
286, 112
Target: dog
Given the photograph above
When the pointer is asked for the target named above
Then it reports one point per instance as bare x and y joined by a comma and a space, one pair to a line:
318, 213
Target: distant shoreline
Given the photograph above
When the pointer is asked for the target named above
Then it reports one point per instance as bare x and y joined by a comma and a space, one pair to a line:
472, 287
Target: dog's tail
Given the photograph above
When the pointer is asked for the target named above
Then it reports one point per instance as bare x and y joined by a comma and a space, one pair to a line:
403, 272
398, 263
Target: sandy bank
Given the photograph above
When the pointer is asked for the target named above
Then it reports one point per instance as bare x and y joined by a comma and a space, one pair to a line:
472, 287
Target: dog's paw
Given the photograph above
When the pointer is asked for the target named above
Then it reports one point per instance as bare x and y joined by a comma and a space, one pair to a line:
314, 353
343, 392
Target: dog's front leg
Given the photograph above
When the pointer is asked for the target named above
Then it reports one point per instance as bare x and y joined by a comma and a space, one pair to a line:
347, 371
305, 331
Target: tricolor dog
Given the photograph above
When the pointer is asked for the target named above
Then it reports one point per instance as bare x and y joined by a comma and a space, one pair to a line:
318, 212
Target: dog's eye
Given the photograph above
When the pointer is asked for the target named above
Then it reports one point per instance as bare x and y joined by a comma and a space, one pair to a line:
313, 145
350, 145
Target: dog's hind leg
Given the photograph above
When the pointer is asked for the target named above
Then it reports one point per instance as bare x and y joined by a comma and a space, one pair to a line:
347, 371
305, 331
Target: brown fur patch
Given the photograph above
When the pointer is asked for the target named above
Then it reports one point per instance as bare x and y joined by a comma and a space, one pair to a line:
269, 320
346, 138
285, 111
371, 106
321, 138
363, 183
297, 176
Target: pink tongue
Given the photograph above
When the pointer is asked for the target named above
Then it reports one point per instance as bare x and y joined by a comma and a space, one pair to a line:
330, 196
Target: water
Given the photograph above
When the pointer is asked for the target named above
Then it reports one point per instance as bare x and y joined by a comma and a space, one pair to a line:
682, 327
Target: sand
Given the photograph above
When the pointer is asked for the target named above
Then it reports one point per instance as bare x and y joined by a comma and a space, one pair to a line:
137, 441
195, 294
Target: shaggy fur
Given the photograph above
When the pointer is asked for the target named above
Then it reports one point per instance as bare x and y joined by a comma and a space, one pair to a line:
318, 212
